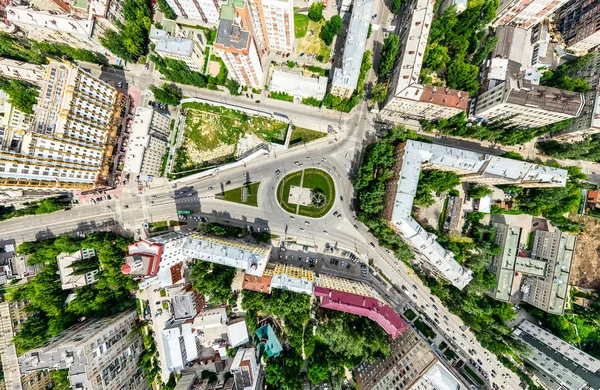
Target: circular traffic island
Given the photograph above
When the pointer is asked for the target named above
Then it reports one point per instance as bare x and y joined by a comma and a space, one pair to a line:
309, 192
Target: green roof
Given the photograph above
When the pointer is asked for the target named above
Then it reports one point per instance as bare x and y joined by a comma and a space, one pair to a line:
80, 4
227, 11
268, 342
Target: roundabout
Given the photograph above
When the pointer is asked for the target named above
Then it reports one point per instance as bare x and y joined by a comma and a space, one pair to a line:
308, 192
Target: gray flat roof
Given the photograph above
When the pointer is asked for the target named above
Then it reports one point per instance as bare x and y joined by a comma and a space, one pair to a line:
231, 35
174, 45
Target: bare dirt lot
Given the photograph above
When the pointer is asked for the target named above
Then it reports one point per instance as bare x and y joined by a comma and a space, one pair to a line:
585, 271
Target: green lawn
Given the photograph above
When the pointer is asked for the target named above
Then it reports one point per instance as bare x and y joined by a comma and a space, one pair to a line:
158, 226
473, 375
425, 329
314, 179
235, 195
300, 25
302, 135
410, 315
163, 293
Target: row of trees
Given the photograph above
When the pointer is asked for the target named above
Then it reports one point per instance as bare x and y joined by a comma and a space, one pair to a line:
588, 149
346, 105
167, 94
131, 41
562, 77
389, 51
331, 28
44, 206
46, 300
34, 52
178, 72
500, 131
458, 44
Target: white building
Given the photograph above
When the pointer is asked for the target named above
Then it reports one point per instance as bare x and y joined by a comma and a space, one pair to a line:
476, 168
524, 104
148, 142
100, 354
76, 117
202, 11
236, 46
68, 279
295, 279
273, 24
22, 70
525, 13
406, 96
246, 371
345, 79
179, 342
190, 51
298, 86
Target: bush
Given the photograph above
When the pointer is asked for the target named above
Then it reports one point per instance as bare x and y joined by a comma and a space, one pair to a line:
21, 94
311, 101
167, 94
281, 96
331, 29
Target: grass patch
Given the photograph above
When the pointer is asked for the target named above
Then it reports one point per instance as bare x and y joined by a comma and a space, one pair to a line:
165, 305
450, 354
410, 315
235, 195
158, 226
163, 293
313, 179
424, 329
473, 375
302, 135
300, 25
311, 43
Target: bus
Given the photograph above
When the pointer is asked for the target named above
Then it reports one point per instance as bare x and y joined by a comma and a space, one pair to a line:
183, 212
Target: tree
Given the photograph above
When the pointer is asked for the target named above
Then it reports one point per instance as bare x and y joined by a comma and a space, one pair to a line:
167, 94
214, 281
315, 11
463, 76
478, 191
436, 58
379, 92
166, 9
566, 75
331, 28
388, 54
233, 87
587, 149
21, 94
61, 379
396, 5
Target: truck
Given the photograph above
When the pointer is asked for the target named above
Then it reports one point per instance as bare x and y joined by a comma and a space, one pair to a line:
183, 212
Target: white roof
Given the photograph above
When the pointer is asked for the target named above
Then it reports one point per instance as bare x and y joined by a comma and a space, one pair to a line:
210, 318
437, 377
237, 334
178, 353
139, 140
297, 285
297, 85
156, 33
485, 204
22, 70
174, 45
43, 19
498, 68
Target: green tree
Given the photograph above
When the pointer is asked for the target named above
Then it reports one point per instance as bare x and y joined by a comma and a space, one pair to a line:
21, 94
167, 94
233, 87
436, 57
396, 5
166, 9
463, 76
61, 379
478, 191
587, 149
388, 54
214, 281
331, 28
379, 92
315, 11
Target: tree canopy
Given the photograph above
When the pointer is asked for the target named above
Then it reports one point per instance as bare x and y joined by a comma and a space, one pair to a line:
168, 94
389, 51
478, 191
131, 41
214, 281
565, 76
331, 28
21, 94
432, 180
588, 149
315, 11
166, 9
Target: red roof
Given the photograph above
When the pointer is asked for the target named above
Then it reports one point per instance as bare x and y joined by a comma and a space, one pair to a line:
126, 269
360, 305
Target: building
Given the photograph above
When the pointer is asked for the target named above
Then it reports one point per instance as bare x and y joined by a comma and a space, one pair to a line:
524, 104
358, 298
53, 27
22, 71
345, 79
461, 6
257, 283
186, 303
236, 46
294, 279
540, 276
268, 342
69, 277
237, 332
406, 97
411, 156
272, 24
411, 365
100, 354
12, 315
298, 86
187, 382
247, 373
179, 344
525, 13
190, 51
148, 143
250, 258
557, 363
71, 141
202, 11
577, 25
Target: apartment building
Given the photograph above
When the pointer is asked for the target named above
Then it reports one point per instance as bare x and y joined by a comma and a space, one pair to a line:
179, 344
345, 79
100, 354
406, 96
22, 71
577, 23
524, 104
148, 142
190, 51
70, 144
525, 13
202, 11
69, 278
247, 372
411, 365
236, 46
558, 364
295, 279
272, 24
411, 156
540, 276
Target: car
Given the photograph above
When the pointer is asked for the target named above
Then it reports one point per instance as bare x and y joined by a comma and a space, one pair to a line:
307, 158
153, 196
301, 229
277, 172
434, 307
415, 287
126, 206
340, 216
325, 231
292, 217
446, 318
257, 101
210, 188
329, 170
228, 182
335, 213
342, 198
307, 223
323, 159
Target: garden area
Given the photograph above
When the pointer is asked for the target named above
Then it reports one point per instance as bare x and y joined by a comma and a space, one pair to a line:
310, 43
215, 134
301, 135
313, 193
300, 25
247, 195
425, 329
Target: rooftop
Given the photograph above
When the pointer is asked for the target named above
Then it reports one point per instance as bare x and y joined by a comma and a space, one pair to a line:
445, 97
268, 341
174, 45
230, 33
545, 98
139, 140
439, 378
179, 344
237, 333
298, 85
50, 21
257, 283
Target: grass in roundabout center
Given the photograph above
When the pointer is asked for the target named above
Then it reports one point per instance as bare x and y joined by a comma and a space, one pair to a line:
236, 195
313, 179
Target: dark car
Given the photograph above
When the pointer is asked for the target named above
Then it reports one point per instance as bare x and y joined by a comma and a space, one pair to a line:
257, 101
228, 182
